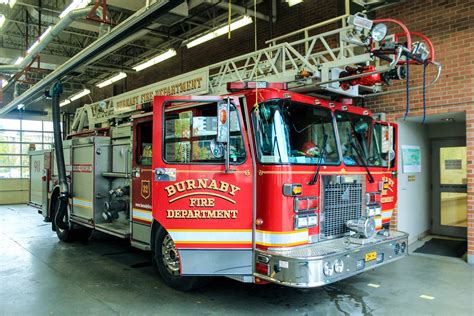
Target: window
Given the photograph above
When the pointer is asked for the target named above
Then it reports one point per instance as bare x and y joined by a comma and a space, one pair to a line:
144, 140
354, 132
17, 138
191, 136
297, 133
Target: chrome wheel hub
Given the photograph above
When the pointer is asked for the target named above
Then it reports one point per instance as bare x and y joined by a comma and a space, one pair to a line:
170, 255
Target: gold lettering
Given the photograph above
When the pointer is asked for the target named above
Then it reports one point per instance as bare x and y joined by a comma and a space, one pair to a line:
191, 184
233, 189
180, 186
202, 183
213, 185
171, 190
224, 186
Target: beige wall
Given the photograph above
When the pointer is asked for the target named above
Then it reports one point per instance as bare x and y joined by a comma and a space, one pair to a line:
14, 191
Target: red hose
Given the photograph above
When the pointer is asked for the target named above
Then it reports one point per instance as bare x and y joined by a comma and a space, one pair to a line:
403, 26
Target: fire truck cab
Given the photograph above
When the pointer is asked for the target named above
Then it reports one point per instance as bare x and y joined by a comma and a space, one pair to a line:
261, 185
219, 173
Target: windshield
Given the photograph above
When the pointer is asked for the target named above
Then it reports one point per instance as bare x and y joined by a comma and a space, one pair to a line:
354, 132
292, 132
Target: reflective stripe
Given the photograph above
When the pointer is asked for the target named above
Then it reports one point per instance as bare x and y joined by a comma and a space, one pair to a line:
144, 215
386, 214
81, 203
268, 238
211, 236
378, 221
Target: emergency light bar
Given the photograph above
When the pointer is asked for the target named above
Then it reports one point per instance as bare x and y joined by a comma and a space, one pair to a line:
245, 85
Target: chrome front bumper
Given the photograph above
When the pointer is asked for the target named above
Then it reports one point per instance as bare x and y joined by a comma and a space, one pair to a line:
303, 266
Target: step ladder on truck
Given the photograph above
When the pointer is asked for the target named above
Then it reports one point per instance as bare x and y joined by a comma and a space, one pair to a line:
259, 168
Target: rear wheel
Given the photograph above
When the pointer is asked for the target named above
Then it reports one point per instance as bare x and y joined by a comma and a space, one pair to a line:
167, 262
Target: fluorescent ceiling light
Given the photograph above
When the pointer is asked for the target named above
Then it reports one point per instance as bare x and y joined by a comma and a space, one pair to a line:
19, 60
155, 60
65, 102
80, 95
75, 4
293, 2
220, 31
2, 20
109, 81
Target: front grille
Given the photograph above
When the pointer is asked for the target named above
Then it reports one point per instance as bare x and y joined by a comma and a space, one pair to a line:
342, 202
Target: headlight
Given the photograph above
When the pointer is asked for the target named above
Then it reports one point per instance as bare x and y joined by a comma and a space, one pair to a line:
328, 269
379, 31
339, 266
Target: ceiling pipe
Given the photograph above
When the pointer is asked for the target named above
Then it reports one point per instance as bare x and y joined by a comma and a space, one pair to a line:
125, 29
58, 28
235, 8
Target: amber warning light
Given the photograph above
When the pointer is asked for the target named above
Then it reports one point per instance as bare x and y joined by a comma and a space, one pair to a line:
244, 85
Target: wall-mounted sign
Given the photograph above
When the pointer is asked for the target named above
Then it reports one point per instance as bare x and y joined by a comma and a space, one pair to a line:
411, 159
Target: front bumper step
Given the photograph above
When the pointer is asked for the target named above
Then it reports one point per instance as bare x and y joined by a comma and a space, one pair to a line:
304, 266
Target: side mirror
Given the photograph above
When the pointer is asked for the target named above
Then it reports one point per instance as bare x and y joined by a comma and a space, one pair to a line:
223, 129
223, 115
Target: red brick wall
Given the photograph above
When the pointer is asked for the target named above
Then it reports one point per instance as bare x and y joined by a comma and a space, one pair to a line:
449, 25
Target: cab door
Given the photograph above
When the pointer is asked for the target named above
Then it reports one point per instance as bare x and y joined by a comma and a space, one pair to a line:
204, 203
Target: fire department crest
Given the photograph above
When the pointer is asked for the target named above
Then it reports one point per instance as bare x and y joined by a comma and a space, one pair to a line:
145, 189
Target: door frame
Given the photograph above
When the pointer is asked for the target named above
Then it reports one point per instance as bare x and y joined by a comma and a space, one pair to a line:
437, 188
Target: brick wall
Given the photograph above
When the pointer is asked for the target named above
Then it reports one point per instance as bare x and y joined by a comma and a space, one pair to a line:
449, 25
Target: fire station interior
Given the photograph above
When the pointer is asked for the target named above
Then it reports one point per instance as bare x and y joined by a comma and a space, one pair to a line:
236, 156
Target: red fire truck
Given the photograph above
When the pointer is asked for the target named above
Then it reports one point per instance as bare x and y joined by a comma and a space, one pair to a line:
260, 184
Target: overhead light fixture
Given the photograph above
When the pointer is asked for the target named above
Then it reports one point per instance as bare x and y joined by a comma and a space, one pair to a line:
80, 95
155, 60
75, 4
20, 106
65, 102
19, 60
109, 81
245, 20
293, 2
11, 3
2, 20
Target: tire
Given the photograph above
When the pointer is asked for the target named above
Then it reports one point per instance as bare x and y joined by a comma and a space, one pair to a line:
69, 235
167, 262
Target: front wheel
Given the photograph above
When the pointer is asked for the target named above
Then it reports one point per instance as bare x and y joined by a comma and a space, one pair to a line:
167, 262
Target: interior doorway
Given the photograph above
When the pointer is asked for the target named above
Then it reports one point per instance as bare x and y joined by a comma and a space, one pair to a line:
449, 187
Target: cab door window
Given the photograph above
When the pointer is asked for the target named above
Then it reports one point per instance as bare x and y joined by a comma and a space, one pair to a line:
190, 136
144, 142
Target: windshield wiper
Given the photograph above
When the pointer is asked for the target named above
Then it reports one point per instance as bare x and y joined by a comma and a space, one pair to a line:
322, 155
362, 157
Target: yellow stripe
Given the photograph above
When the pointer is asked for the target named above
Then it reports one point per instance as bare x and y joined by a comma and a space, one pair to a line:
141, 210
282, 245
142, 219
88, 201
282, 233
208, 230
82, 206
261, 172
213, 242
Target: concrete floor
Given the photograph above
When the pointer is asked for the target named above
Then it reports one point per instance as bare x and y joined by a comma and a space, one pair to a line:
40, 275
